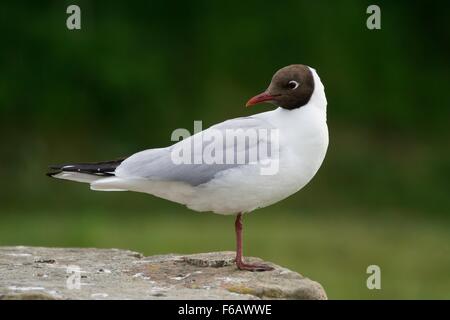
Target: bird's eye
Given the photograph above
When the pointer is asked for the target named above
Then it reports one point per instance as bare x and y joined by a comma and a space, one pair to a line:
293, 84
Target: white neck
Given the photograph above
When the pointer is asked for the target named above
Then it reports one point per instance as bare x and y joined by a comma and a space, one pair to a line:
318, 98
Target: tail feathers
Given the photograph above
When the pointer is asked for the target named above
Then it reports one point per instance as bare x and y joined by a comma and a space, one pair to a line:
76, 176
84, 171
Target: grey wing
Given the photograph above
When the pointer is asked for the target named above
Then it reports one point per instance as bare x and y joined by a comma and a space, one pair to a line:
164, 164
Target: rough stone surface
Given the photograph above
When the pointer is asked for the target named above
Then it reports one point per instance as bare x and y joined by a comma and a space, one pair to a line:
43, 273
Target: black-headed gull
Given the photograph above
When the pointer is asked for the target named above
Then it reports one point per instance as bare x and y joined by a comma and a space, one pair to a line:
233, 167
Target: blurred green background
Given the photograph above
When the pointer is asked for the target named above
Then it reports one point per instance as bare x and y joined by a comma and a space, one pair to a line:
138, 70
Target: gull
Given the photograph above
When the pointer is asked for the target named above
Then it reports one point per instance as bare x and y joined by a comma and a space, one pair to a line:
280, 151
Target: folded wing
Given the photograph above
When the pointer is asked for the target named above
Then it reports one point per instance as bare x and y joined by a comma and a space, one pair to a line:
237, 142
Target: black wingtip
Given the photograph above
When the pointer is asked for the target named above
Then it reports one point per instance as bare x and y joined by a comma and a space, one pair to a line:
54, 170
104, 168
56, 167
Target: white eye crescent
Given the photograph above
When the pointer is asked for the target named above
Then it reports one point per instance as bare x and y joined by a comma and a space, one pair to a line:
293, 84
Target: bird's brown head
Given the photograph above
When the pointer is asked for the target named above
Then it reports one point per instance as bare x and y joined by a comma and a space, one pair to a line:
291, 87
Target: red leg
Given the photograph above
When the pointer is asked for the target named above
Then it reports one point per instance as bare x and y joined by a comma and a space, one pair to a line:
239, 262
